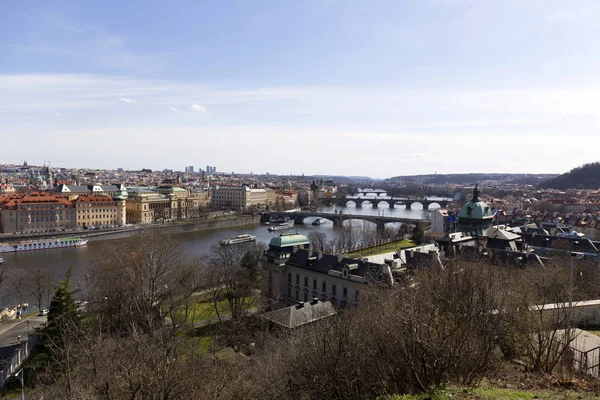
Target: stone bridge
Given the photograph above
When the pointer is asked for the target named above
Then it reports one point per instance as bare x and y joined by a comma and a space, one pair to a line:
378, 192
338, 219
391, 202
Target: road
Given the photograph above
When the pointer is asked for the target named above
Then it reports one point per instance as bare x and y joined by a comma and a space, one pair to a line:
12, 329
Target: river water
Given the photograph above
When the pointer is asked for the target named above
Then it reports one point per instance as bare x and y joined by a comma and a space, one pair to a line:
195, 243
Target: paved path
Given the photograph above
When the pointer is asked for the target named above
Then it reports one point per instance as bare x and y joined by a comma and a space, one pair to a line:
12, 329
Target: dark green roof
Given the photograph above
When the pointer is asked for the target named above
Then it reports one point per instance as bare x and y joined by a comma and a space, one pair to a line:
289, 240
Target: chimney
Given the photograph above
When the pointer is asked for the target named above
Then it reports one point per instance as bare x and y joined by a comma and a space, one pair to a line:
314, 301
300, 305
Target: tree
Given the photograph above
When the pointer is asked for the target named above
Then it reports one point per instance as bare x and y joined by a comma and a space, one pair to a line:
39, 284
417, 235
318, 240
232, 273
403, 231
17, 283
140, 282
62, 328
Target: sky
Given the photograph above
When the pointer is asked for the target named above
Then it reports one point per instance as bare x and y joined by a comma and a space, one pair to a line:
335, 87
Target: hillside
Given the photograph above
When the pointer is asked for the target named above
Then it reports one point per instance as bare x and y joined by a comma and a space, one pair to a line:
465, 179
585, 177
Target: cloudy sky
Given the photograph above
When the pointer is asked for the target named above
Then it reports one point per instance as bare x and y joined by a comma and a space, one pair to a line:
347, 87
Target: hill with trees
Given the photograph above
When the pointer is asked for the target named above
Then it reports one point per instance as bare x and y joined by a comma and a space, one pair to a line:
467, 179
586, 176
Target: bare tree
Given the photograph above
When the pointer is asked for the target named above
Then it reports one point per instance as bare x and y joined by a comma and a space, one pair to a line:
17, 283
39, 285
232, 274
318, 240
140, 283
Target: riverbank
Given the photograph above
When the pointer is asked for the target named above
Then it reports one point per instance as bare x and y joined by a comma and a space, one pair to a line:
170, 227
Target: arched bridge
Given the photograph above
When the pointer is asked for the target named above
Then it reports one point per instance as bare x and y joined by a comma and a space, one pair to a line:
392, 202
378, 192
338, 219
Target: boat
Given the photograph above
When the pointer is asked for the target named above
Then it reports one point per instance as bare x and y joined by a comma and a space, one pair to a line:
237, 239
319, 221
280, 227
42, 244
1, 260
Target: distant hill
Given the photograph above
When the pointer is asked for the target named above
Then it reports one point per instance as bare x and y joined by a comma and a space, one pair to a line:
469, 179
585, 177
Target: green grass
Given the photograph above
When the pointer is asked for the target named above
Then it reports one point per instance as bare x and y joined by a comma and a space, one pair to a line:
493, 393
204, 308
385, 248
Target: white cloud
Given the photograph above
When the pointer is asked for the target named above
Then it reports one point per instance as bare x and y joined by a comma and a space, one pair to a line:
197, 107
174, 109
126, 100
58, 115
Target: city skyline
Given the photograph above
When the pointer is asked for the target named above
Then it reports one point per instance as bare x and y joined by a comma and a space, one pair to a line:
315, 87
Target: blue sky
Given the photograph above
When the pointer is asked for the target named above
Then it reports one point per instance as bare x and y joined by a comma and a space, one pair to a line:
378, 88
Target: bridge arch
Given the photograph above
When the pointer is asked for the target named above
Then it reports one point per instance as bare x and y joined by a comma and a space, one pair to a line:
351, 203
434, 205
411, 204
388, 203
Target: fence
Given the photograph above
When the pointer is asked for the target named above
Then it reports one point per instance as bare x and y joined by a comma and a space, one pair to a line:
587, 362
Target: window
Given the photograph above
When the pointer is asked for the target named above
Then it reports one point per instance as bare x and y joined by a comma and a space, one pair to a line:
356, 293
305, 297
345, 292
289, 291
297, 294
289, 277
306, 281
314, 284
333, 290
324, 286
297, 279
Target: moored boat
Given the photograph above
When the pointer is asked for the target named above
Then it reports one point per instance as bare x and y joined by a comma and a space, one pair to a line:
280, 227
238, 239
42, 244
318, 221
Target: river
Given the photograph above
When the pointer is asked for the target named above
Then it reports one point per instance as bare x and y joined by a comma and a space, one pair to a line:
194, 244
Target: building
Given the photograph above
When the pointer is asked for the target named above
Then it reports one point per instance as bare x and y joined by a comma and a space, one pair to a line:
295, 274
36, 212
301, 314
211, 170
475, 216
238, 197
118, 189
145, 206
100, 211
189, 170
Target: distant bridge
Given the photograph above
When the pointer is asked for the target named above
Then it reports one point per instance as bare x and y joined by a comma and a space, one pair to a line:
338, 219
377, 192
391, 202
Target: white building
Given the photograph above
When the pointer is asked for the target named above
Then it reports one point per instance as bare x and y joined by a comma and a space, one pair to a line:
295, 274
238, 197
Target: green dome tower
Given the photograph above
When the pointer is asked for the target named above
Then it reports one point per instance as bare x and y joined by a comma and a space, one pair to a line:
475, 216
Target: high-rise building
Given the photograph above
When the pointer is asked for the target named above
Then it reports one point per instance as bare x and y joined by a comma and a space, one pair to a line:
211, 170
189, 170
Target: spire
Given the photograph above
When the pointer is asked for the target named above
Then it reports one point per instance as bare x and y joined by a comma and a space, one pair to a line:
476, 192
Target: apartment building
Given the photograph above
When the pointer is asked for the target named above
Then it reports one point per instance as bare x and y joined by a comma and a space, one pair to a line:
100, 210
35, 212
